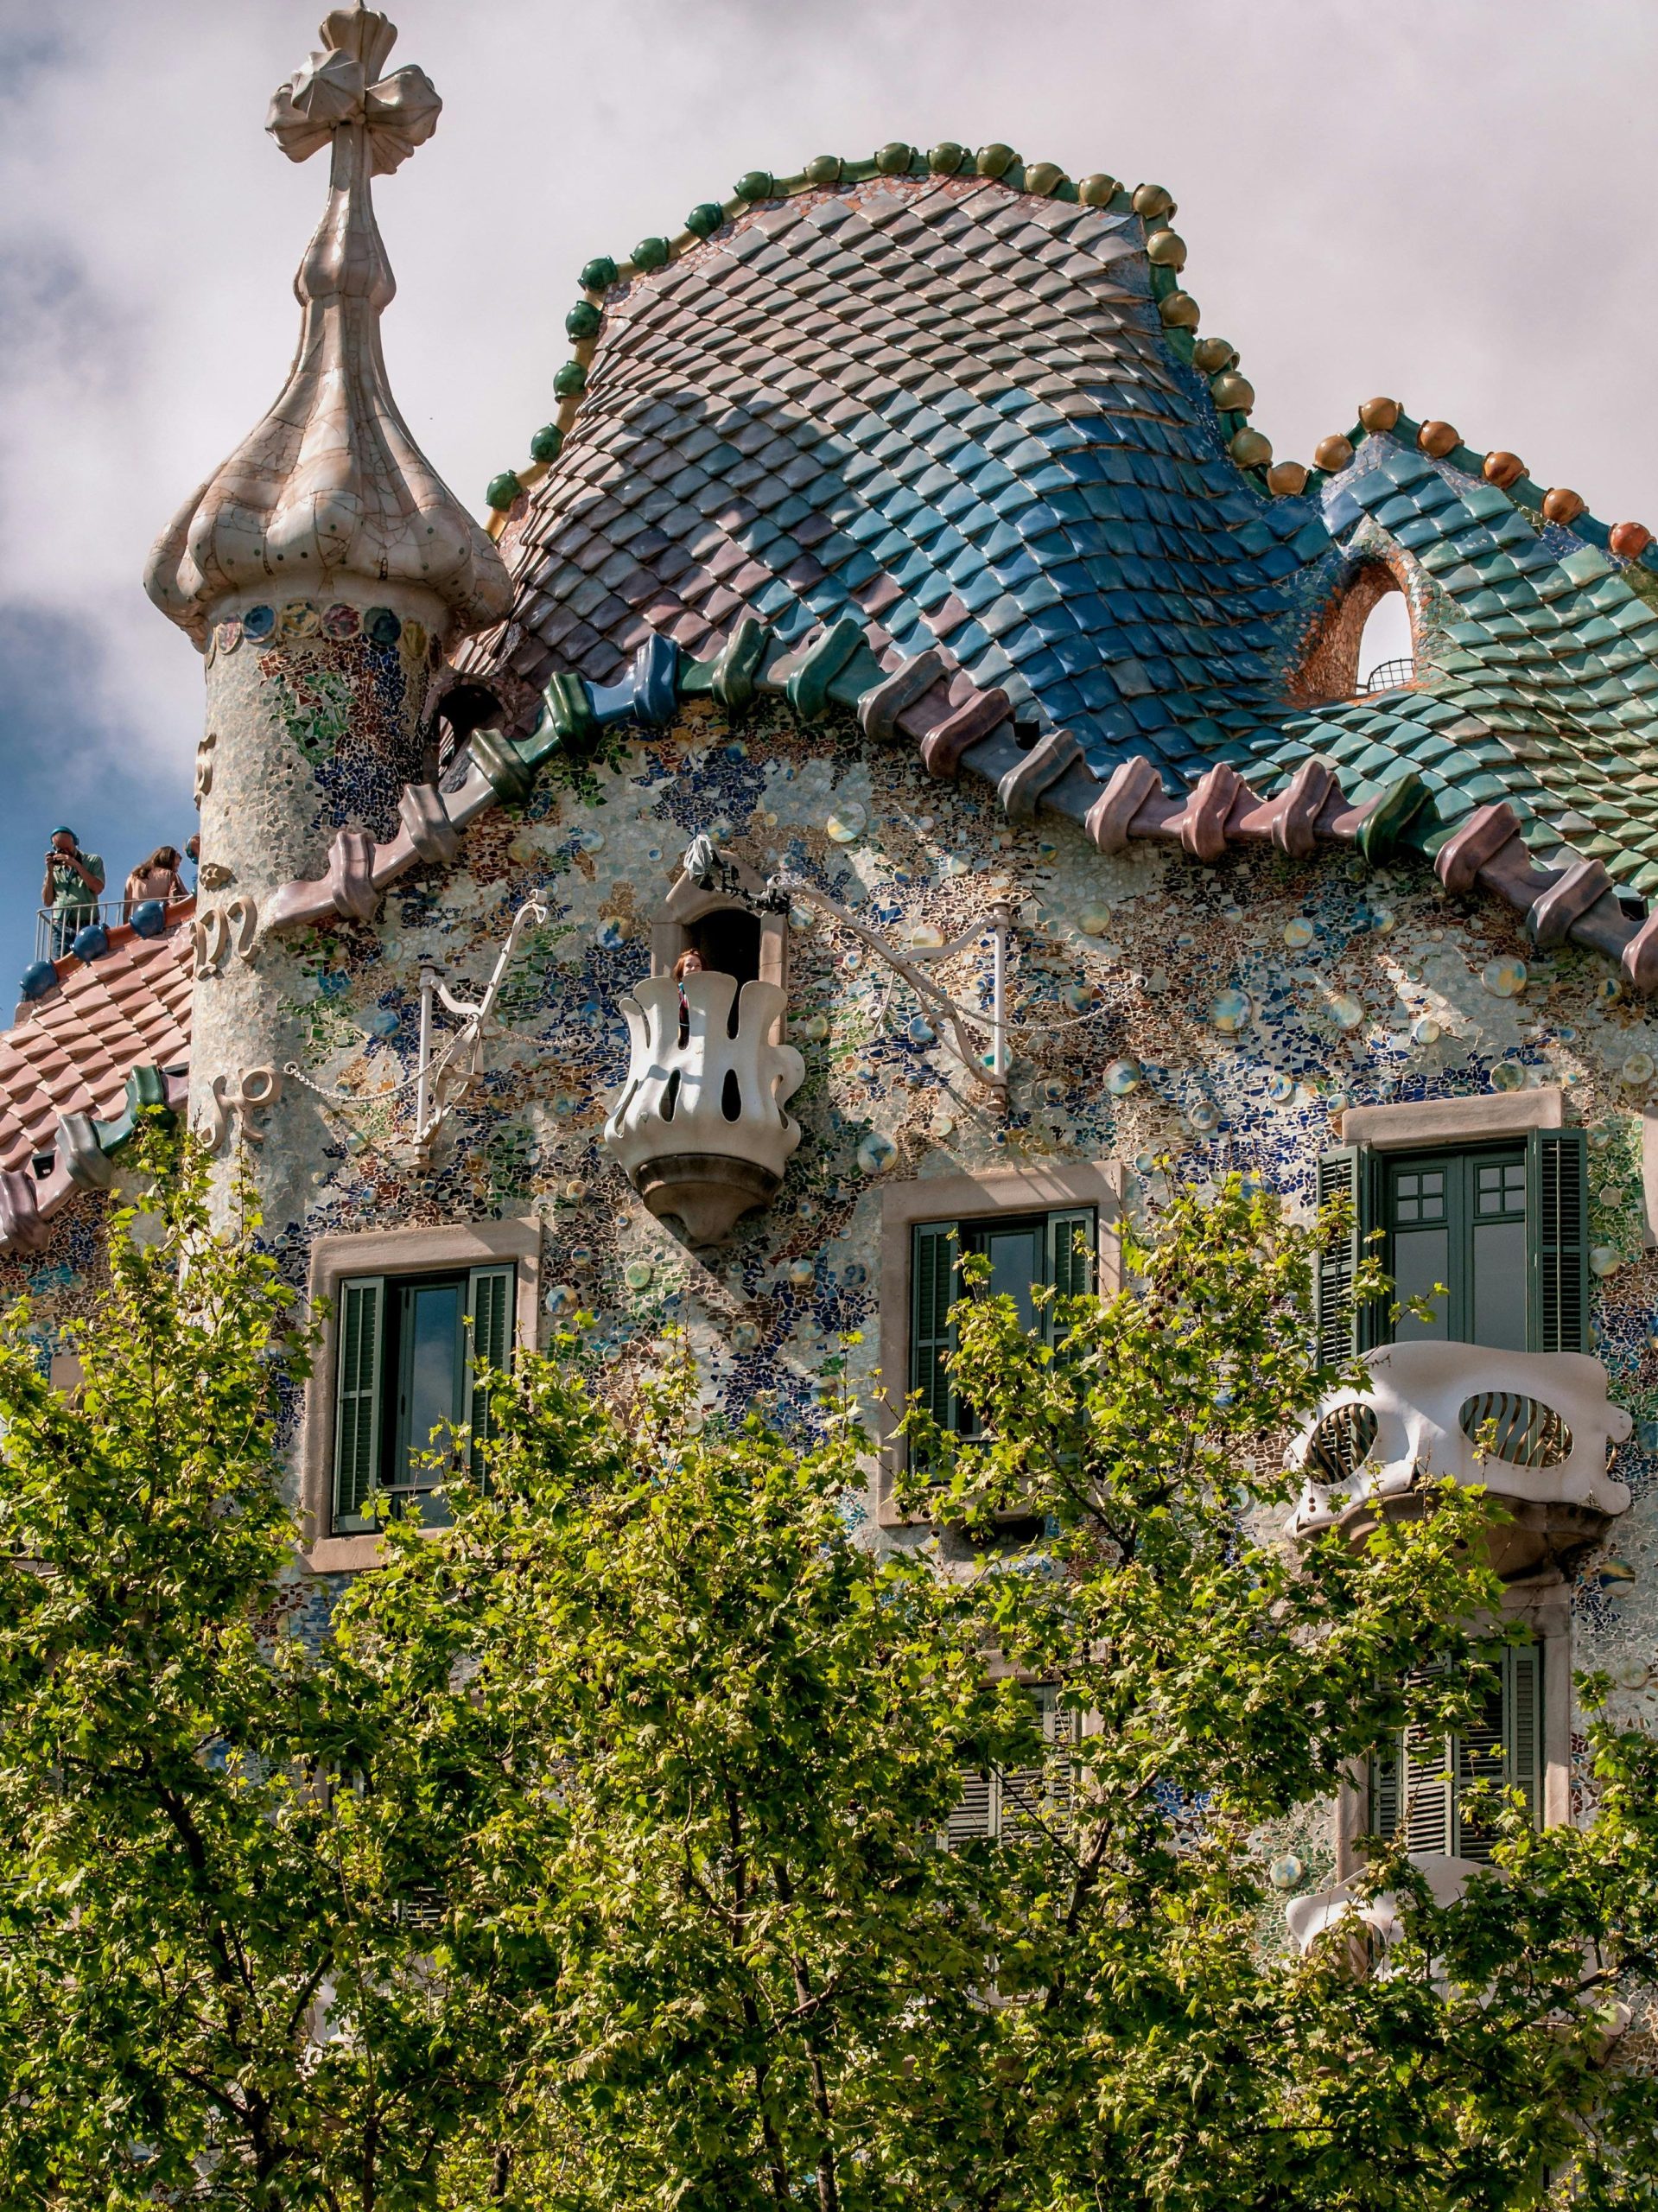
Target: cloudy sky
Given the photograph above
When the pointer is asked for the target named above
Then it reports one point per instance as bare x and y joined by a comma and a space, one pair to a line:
1445, 200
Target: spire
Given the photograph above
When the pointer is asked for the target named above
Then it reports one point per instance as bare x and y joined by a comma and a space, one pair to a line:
331, 483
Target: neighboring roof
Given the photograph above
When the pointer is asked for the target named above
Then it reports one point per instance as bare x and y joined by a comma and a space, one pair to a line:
71, 1052
968, 411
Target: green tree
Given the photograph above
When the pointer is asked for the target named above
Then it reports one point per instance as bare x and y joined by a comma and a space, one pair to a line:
589, 1856
237, 1962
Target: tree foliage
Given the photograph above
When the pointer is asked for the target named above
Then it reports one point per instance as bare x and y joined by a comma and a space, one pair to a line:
589, 1856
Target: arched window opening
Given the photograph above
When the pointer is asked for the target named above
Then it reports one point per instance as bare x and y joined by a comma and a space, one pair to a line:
1387, 656
1360, 642
729, 940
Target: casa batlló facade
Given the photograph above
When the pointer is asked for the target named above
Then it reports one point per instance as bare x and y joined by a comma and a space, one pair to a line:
899, 612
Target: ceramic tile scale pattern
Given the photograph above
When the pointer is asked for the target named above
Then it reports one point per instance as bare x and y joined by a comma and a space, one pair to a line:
972, 421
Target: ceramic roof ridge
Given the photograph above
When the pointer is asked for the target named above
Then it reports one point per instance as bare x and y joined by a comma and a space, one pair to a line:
1503, 471
954, 723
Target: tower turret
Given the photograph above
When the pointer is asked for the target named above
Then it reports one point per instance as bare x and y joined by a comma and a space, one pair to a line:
322, 569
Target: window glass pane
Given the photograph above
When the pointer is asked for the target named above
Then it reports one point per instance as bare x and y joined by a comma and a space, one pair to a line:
1422, 1257
1418, 1195
1499, 1188
431, 1365
1499, 1315
1017, 1260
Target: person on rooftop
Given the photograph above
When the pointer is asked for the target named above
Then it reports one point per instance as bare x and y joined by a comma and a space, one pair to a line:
159, 877
71, 887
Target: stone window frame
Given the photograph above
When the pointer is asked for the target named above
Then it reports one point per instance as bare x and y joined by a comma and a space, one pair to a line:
1420, 1123
1546, 1606
392, 1252
981, 1195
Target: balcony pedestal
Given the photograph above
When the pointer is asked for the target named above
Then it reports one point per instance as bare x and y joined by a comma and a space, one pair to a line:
699, 1125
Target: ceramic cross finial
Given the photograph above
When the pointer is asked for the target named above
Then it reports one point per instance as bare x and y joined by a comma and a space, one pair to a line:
342, 87
331, 487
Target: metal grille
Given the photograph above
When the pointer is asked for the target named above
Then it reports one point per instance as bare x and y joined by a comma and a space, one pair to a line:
1522, 1432
1388, 675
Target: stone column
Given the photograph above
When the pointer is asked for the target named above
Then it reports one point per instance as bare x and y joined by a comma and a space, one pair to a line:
323, 569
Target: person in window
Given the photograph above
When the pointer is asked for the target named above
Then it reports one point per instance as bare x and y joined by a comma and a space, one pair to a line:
71, 887
159, 877
688, 963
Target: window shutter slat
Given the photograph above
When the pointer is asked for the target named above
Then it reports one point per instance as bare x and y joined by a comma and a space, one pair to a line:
357, 1398
1523, 1726
1070, 1253
1336, 1319
1480, 1757
489, 1303
1021, 1799
972, 1810
1384, 1790
933, 1292
1425, 1787
1558, 1235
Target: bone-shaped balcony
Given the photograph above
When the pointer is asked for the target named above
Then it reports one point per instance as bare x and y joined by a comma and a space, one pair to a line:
699, 1125
1531, 1426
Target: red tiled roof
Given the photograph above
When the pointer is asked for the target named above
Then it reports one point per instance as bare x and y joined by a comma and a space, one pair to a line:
72, 1051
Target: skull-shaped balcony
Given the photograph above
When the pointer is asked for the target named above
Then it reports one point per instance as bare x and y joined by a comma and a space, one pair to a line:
700, 1126
1532, 1427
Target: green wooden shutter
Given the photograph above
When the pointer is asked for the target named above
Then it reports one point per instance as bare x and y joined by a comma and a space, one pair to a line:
1337, 1322
358, 1398
974, 1810
1426, 1788
933, 1290
1426, 1791
1522, 1726
1557, 1235
489, 1305
1481, 1756
1071, 1252
1385, 1778
1045, 1792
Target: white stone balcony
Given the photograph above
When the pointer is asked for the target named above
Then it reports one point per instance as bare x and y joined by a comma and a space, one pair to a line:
700, 1123
1531, 1426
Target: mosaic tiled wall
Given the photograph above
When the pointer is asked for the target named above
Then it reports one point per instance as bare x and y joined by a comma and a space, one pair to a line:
1217, 1016
313, 727
1184, 1019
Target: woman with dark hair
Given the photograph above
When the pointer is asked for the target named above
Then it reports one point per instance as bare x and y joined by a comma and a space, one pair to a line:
159, 877
688, 963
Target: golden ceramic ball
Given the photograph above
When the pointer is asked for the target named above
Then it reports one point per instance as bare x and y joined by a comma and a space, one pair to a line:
1562, 505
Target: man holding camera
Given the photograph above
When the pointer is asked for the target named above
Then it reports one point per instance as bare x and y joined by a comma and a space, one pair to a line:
70, 888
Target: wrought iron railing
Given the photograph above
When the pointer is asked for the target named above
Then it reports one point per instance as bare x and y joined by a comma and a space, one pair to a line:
54, 935
1388, 675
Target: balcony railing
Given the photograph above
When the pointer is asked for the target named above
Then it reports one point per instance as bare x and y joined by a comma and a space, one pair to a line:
699, 1125
1531, 1426
1390, 676
53, 938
